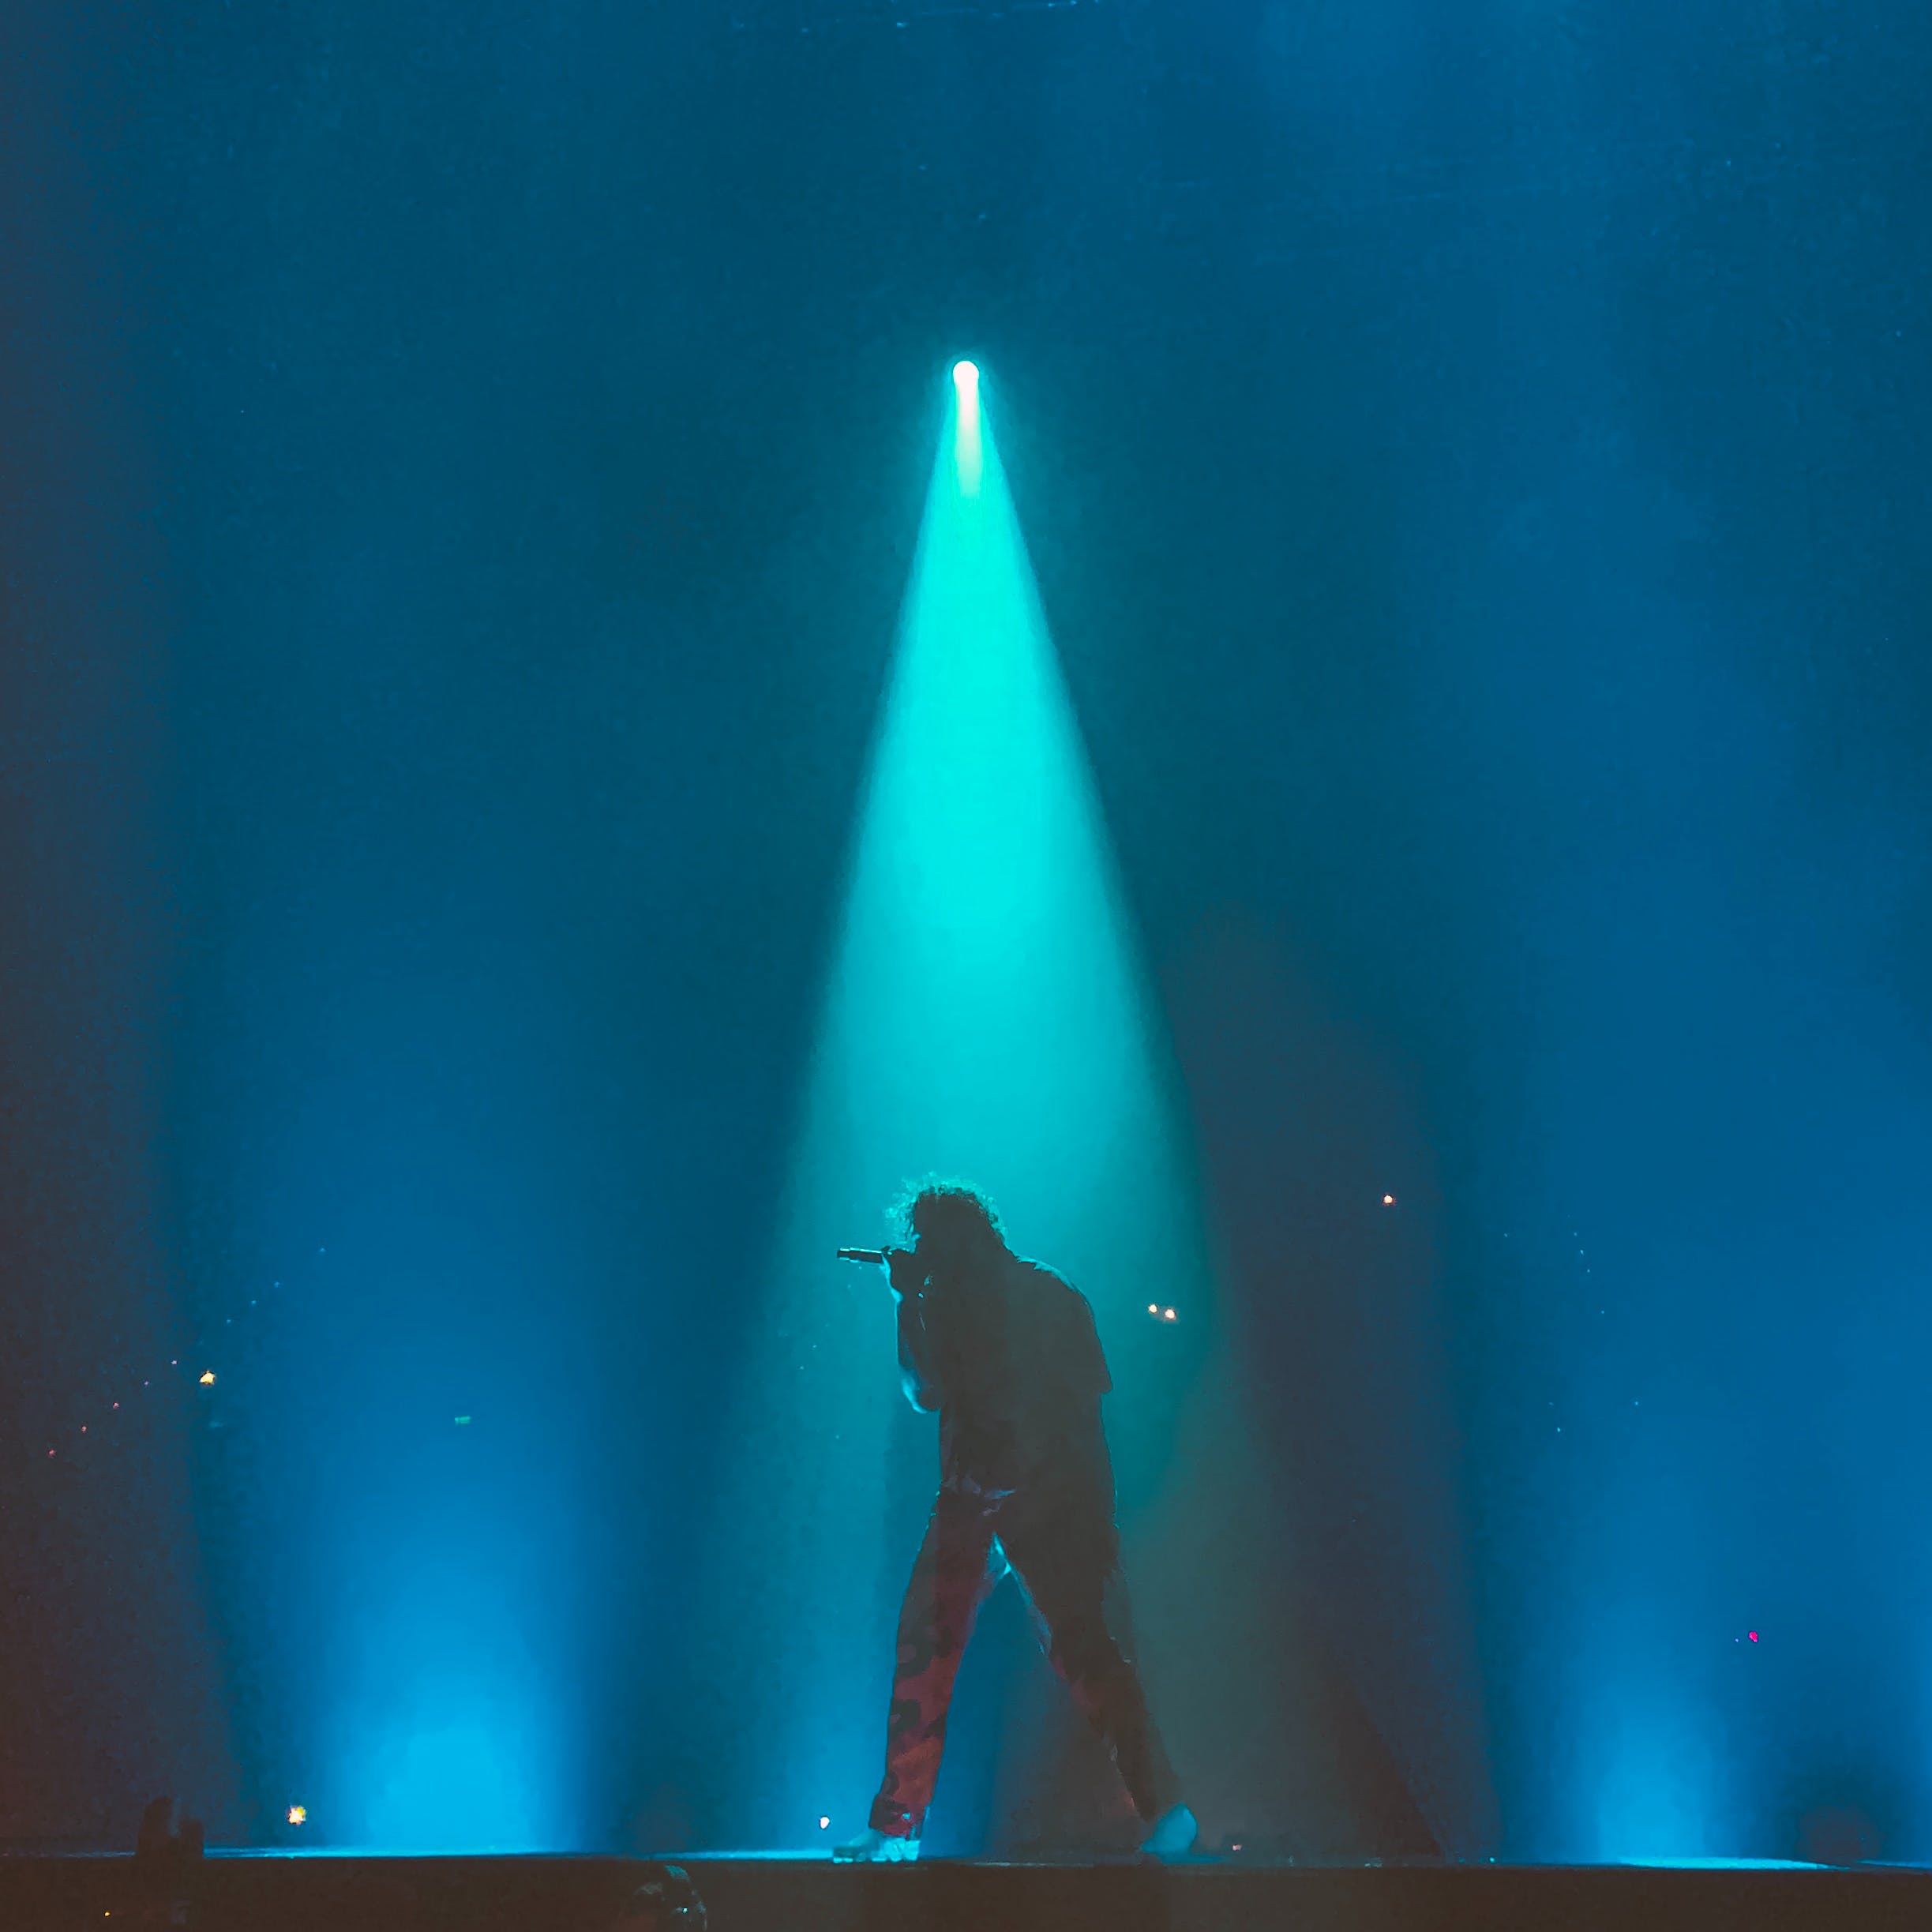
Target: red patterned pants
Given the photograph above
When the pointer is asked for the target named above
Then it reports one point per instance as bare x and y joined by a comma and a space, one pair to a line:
1062, 1547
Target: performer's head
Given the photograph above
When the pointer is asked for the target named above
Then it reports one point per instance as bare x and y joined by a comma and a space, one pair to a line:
953, 1226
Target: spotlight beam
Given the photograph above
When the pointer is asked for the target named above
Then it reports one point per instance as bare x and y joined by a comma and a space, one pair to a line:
986, 1012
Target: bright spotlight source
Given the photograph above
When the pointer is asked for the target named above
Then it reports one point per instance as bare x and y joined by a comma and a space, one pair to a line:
1388, 1200
1167, 1315
299, 1815
969, 453
207, 1376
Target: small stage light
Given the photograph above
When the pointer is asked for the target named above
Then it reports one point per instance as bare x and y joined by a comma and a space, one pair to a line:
825, 1825
966, 375
299, 1815
1167, 1315
207, 1376
1153, 1307
1388, 1200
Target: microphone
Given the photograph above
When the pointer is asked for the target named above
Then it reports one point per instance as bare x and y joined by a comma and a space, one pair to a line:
875, 1255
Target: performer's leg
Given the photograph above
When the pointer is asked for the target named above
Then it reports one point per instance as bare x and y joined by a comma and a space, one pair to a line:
1067, 1557
950, 1580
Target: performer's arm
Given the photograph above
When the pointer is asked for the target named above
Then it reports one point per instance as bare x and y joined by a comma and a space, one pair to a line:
1094, 1378
917, 1370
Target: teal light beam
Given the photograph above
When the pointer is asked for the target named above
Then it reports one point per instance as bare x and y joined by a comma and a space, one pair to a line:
986, 1015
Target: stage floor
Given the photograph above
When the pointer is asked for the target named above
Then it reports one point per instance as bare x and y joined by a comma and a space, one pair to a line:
320, 1893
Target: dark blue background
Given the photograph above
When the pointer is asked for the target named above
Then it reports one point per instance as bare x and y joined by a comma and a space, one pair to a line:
461, 468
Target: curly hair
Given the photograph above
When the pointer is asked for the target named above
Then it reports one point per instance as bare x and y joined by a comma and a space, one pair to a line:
935, 1205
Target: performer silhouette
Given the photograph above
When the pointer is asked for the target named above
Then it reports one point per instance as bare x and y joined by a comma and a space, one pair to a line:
1007, 1352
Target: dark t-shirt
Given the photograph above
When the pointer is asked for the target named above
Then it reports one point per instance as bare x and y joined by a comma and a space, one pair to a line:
1020, 1373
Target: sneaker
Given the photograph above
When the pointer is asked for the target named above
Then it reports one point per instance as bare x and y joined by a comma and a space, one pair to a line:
874, 1847
1172, 1835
